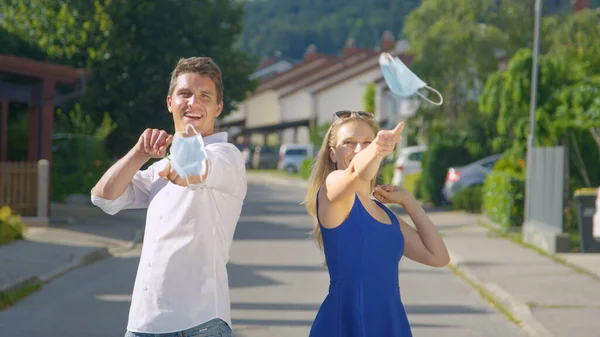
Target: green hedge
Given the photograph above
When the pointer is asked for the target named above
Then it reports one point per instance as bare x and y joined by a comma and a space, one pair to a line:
387, 174
469, 199
503, 198
411, 182
78, 164
436, 162
306, 168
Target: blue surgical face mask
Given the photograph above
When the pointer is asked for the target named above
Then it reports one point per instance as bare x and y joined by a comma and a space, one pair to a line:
188, 154
401, 80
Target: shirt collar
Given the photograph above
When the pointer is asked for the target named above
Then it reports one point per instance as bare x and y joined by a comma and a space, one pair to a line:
219, 137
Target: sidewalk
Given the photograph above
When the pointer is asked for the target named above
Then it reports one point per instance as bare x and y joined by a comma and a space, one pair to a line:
545, 297
85, 235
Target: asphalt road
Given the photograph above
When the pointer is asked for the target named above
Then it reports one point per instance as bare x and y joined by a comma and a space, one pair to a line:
276, 285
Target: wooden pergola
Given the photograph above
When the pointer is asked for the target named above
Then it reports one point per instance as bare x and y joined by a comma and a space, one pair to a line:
41, 98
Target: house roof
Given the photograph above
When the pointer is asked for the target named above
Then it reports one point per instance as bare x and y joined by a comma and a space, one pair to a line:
294, 73
273, 60
28, 67
329, 69
332, 68
348, 73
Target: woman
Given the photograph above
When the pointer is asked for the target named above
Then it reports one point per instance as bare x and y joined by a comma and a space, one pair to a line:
362, 239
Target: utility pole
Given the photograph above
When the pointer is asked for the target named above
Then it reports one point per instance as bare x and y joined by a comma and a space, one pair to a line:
532, 107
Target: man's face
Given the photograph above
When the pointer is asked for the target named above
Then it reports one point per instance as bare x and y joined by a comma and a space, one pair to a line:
194, 101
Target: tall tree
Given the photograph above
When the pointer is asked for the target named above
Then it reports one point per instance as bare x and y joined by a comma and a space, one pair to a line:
458, 43
131, 49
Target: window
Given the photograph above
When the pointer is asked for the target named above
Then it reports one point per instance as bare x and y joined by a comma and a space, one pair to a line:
296, 152
415, 156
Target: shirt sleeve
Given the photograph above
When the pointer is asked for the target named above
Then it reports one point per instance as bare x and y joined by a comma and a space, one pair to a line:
137, 194
226, 170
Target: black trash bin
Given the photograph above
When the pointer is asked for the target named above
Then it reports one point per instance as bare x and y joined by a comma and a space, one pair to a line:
586, 200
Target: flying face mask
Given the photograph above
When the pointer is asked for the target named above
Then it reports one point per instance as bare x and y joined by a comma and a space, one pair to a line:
188, 154
401, 80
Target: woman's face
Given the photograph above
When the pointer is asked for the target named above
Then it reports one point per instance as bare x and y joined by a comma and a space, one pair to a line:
352, 137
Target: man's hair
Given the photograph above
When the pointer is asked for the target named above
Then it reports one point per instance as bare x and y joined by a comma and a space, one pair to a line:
204, 66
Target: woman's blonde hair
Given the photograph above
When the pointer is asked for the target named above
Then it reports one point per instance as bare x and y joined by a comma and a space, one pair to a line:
323, 165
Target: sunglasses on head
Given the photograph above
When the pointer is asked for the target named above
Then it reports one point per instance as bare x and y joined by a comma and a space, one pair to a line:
347, 113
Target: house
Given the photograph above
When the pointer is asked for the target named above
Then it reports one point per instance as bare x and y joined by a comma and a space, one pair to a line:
257, 119
273, 66
42, 98
285, 106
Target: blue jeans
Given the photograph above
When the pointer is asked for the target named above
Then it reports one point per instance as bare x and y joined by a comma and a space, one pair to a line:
213, 328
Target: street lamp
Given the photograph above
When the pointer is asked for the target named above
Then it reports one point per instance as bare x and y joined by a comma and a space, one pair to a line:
532, 104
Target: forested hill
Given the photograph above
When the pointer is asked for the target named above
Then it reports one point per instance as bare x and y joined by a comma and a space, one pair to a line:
289, 26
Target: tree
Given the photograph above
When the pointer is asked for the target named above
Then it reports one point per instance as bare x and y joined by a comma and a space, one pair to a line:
131, 49
369, 98
457, 44
568, 110
73, 33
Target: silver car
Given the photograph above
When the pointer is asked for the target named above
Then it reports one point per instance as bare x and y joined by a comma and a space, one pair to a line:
472, 174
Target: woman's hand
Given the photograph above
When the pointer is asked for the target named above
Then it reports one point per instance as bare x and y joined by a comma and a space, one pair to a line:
389, 194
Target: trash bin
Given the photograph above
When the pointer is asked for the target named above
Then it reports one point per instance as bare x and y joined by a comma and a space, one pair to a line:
586, 200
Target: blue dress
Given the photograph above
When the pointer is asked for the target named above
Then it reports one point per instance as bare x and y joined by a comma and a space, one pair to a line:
362, 256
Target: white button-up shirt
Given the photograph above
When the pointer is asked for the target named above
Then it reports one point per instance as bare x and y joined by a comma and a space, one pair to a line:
182, 280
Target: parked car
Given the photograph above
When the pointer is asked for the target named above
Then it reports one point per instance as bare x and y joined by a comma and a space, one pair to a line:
247, 151
291, 157
265, 157
596, 231
408, 162
459, 178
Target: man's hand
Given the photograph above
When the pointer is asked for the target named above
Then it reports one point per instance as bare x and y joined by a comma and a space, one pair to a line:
389, 194
386, 140
153, 143
168, 173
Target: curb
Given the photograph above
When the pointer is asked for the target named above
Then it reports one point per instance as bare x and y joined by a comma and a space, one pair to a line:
88, 258
274, 180
138, 237
83, 260
517, 309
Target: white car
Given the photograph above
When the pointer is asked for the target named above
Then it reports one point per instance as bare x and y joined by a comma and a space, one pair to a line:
291, 157
408, 162
596, 226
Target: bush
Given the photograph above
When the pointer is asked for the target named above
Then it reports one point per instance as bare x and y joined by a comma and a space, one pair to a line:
306, 168
387, 174
77, 166
411, 182
503, 198
469, 199
436, 161
11, 227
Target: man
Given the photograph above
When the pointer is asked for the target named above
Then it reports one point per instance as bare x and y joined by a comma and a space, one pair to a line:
181, 287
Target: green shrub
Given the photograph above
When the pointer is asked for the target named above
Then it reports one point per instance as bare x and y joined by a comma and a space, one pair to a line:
469, 199
416, 188
78, 164
436, 161
387, 174
503, 198
306, 168
411, 182
11, 227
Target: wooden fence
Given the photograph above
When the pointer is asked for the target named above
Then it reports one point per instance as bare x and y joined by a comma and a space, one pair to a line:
19, 187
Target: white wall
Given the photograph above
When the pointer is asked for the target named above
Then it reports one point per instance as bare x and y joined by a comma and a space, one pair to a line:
347, 95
